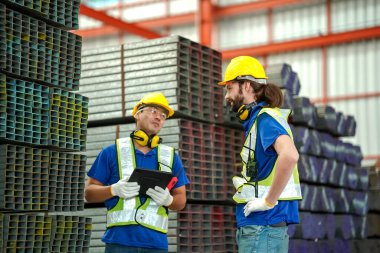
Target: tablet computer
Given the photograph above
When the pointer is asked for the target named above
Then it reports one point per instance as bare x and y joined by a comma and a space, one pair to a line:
149, 179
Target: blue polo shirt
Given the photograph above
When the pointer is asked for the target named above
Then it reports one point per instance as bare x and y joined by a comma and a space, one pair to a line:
105, 170
268, 130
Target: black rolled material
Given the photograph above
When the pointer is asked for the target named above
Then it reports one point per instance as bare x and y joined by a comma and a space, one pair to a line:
326, 118
350, 129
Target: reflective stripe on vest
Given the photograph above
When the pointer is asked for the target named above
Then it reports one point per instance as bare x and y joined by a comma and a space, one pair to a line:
245, 189
129, 211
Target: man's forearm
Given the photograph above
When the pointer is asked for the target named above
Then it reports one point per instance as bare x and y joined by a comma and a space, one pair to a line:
284, 171
97, 193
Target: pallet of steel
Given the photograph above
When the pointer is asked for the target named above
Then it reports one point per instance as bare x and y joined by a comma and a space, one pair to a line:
329, 171
25, 178
185, 71
68, 120
98, 218
303, 112
206, 228
39, 115
39, 52
195, 68
330, 226
27, 111
316, 143
66, 181
70, 233
209, 153
26, 233
37, 179
101, 81
319, 198
63, 14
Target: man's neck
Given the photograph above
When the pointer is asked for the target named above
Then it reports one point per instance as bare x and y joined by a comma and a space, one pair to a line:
143, 149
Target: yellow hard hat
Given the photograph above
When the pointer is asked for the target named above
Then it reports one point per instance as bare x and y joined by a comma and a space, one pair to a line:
244, 67
154, 98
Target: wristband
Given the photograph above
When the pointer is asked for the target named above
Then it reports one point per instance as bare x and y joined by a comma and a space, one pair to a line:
268, 204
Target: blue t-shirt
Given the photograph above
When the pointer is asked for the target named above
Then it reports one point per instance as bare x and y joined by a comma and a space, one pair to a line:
105, 170
268, 130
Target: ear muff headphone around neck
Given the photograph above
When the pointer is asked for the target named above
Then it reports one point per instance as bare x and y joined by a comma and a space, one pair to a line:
143, 139
244, 110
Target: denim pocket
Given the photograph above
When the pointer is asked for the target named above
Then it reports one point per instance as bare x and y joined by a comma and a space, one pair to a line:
251, 230
278, 233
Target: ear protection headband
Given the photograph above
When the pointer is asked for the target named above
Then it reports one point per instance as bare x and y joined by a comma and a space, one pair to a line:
144, 139
244, 110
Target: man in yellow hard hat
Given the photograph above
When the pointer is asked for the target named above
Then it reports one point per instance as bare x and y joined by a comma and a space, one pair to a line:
268, 190
136, 223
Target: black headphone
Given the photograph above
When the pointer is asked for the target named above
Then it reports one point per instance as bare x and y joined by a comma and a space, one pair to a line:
142, 138
244, 110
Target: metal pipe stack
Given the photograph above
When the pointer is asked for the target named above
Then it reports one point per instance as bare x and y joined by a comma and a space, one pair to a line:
62, 14
40, 52
42, 122
186, 72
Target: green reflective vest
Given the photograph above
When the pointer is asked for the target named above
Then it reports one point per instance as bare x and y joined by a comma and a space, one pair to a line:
245, 188
130, 211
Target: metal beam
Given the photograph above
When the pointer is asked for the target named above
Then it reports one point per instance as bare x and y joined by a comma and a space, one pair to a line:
239, 9
117, 23
372, 157
152, 23
313, 42
168, 21
206, 22
347, 97
187, 18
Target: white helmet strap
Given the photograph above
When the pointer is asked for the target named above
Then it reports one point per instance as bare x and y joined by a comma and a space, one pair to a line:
251, 78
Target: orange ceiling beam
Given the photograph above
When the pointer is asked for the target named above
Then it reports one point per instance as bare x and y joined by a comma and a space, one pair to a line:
313, 42
206, 22
168, 21
187, 18
347, 97
244, 8
152, 23
117, 23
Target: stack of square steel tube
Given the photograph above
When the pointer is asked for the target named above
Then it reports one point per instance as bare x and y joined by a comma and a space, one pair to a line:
42, 123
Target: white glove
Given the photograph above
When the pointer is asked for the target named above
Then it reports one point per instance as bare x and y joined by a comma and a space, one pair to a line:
125, 189
257, 204
160, 196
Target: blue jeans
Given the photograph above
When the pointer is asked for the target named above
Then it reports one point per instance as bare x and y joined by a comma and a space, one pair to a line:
262, 239
116, 248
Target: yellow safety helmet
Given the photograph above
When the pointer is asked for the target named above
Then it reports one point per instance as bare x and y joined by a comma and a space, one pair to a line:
154, 98
244, 67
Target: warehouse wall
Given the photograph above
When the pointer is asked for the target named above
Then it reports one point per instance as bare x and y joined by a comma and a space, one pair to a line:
351, 68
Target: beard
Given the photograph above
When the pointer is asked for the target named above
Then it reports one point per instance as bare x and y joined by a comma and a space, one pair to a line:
236, 103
